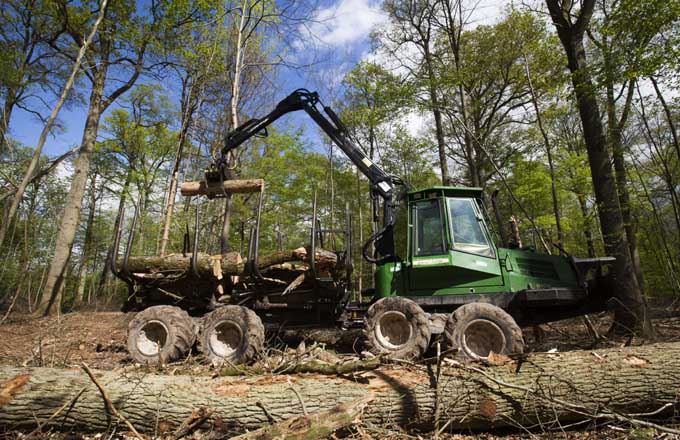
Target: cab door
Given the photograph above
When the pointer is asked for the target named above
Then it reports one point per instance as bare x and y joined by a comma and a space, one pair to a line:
447, 258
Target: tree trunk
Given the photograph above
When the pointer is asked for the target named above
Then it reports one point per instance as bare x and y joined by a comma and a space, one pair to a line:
605, 384
116, 224
82, 270
629, 308
188, 108
615, 127
548, 151
233, 105
590, 243
438, 125
74, 200
7, 109
669, 116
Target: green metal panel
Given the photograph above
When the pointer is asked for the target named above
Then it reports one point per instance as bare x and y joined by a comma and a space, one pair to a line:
389, 279
526, 269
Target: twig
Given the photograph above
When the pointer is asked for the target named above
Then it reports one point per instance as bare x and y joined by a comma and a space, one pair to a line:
302, 402
56, 413
112, 409
195, 419
271, 418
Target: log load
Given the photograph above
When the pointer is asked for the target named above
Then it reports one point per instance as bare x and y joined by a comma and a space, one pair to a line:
228, 264
229, 187
541, 389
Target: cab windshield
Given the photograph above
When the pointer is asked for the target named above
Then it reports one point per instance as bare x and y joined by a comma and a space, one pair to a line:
467, 229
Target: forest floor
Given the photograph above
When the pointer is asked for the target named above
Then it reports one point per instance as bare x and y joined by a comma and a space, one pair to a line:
98, 339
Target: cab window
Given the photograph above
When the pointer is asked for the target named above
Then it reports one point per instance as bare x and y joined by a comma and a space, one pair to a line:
428, 235
466, 228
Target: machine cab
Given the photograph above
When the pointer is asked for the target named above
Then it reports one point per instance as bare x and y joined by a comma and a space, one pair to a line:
449, 249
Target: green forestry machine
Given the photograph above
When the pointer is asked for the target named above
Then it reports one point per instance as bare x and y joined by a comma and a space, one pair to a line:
453, 284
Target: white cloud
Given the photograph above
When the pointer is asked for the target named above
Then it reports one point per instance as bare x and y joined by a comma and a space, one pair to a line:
346, 22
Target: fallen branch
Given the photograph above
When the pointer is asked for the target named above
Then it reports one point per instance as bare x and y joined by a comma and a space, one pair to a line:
339, 369
312, 426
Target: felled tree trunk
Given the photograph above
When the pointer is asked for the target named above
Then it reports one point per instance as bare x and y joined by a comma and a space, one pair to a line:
229, 187
230, 263
548, 388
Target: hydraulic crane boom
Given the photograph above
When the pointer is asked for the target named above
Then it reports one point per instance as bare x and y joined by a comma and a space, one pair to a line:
382, 184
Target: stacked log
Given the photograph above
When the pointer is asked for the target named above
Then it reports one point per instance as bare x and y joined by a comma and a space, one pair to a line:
227, 264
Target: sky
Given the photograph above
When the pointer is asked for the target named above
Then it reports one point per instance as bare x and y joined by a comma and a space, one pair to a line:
339, 36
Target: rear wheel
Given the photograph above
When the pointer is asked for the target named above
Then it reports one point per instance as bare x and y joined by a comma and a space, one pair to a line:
478, 329
160, 334
232, 334
397, 327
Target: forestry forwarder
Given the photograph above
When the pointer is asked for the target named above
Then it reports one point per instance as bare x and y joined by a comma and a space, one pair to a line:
454, 282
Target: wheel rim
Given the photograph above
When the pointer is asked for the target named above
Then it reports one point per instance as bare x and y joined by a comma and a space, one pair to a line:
225, 339
393, 330
481, 337
152, 338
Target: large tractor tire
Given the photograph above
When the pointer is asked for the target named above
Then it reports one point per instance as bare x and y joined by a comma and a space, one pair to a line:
477, 329
160, 334
231, 334
397, 327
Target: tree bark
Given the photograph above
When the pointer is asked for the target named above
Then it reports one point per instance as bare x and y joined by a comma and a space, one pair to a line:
629, 308
546, 389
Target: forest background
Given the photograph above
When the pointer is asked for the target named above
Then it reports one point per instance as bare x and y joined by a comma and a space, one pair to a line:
565, 113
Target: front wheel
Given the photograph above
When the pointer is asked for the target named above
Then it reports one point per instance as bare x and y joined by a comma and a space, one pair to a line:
478, 329
231, 334
397, 327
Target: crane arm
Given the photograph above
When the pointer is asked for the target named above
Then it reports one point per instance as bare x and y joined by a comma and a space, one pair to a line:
382, 184
302, 99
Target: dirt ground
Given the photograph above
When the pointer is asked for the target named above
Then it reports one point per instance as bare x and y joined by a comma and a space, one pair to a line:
98, 339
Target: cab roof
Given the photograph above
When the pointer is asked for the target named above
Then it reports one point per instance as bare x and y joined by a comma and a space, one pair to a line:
446, 191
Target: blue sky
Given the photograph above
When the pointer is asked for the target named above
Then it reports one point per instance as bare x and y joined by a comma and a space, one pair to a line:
339, 36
